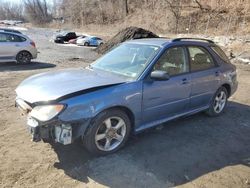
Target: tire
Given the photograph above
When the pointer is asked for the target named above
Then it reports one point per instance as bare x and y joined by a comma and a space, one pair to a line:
23, 57
218, 103
86, 44
99, 140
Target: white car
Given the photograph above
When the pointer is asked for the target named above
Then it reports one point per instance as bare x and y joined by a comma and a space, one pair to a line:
89, 41
16, 47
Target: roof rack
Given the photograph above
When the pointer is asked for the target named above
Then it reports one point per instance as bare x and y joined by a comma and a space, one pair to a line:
180, 39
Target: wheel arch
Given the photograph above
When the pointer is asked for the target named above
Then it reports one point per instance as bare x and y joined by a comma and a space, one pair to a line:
228, 88
24, 51
125, 109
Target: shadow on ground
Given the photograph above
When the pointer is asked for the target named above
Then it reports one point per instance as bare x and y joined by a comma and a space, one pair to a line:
175, 154
12, 66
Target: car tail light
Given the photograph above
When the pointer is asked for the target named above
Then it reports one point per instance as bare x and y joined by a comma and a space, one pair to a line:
33, 44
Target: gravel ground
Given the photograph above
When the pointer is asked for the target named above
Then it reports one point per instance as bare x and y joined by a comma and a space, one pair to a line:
196, 151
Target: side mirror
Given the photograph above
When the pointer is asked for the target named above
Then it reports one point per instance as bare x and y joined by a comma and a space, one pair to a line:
159, 75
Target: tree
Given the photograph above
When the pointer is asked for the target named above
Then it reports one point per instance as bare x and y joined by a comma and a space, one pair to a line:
126, 7
37, 11
175, 7
11, 11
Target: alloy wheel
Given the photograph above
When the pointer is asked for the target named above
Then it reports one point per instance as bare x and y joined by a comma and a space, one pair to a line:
220, 101
23, 57
110, 134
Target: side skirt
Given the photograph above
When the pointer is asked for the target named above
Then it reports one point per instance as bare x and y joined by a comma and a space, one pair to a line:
158, 122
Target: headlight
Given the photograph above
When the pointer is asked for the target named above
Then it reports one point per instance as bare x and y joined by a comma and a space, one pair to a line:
46, 112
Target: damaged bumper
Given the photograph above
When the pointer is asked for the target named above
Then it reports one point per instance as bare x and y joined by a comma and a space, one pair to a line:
61, 133
54, 130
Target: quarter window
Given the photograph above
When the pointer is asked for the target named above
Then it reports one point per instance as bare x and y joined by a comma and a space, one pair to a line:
200, 59
3, 37
173, 61
220, 53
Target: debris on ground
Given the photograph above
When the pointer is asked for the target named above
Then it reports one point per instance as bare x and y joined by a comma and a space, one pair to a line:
243, 58
125, 34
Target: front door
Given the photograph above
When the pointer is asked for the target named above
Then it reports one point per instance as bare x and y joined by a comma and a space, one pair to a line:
168, 98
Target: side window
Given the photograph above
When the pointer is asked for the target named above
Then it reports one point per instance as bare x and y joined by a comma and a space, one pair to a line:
173, 61
3, 37
200, 59
10, 38
220, 53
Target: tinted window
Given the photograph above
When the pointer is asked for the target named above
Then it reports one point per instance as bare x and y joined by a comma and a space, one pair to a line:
220, 53
71, 34
173, 61
200, 59
5, 37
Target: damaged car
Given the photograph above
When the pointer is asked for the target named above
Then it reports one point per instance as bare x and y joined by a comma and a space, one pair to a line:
137, 85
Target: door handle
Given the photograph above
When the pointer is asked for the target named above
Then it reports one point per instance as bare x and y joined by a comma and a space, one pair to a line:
217, 73
185, 81
17, 45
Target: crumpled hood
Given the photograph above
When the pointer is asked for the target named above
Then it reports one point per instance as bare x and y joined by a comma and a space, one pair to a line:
55, 84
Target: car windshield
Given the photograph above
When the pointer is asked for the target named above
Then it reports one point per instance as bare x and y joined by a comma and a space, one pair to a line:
127, 59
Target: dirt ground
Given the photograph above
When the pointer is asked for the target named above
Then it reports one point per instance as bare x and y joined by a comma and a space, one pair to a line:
196, 151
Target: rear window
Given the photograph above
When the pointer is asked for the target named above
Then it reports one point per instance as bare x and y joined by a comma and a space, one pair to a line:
220, 53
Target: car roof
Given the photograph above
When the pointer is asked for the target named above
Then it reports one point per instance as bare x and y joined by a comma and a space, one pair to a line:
161, 42
10, 30
18, 34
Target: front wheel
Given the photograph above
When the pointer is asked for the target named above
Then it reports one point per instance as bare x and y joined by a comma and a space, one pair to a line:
108, 132
218, 103
23, 57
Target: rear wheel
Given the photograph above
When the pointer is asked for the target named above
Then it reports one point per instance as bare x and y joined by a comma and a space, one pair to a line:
108, 132
218, 103
86, 44
23, 57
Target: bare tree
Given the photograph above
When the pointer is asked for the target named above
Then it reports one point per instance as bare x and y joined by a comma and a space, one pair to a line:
11, 11
126, 7
37, 11
175, 7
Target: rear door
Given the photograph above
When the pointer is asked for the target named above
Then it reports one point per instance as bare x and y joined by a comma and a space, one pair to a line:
204, 76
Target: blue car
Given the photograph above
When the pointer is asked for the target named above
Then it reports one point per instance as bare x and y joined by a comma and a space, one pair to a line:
89, 41
137, 85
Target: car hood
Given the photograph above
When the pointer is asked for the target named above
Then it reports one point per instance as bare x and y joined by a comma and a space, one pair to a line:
56, 84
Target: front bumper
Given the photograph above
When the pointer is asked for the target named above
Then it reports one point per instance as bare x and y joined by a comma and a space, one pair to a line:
54, 130
51, 132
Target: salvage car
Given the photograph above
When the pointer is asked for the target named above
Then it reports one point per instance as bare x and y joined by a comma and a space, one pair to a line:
64, 36
137, 85
15, 47
89, 41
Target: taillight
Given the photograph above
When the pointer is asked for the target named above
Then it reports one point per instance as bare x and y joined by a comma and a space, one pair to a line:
33, 44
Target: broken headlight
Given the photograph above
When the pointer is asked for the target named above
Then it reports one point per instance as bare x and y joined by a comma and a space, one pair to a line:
46, 112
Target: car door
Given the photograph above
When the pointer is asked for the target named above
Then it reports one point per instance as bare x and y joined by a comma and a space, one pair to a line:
9, 46
93, 41
204, 77
168, 98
